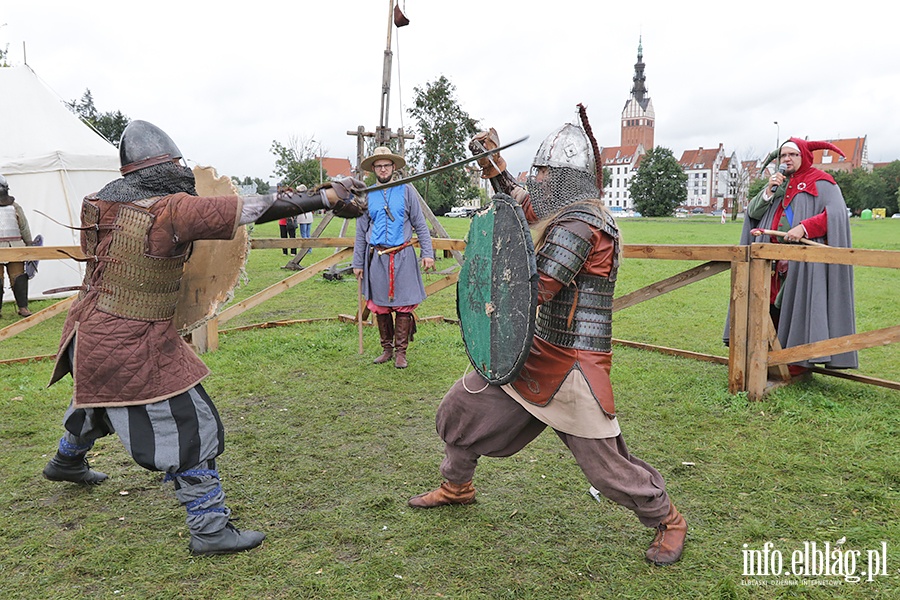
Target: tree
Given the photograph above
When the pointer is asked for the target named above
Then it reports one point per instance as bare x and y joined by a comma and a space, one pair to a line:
756, 187
443, 130
660, 185
878, 189
110, 125
297, 163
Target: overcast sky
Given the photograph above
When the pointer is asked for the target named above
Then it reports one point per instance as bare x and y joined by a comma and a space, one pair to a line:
225, 78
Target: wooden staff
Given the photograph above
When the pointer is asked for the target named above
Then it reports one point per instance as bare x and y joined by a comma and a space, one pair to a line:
414, 243
781, 234
359, 316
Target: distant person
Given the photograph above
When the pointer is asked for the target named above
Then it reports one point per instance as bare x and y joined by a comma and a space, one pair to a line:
384, 258
565, 380
288, 228
809, 302
14, 233
304, 221
133, 374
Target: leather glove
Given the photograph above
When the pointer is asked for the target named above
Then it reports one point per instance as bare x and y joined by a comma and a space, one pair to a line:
345, 197
348, 187
492, 165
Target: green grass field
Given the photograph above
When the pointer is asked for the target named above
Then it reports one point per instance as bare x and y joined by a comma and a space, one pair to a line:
324, 448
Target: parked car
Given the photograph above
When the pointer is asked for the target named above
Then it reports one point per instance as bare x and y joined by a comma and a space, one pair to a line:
461, 211
895, 216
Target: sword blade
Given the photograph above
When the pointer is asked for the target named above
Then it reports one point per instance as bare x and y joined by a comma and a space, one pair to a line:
442, 168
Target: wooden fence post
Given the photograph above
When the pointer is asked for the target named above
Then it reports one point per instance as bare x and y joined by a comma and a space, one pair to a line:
758, 323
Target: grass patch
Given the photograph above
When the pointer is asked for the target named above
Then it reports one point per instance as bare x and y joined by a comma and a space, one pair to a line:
324, 448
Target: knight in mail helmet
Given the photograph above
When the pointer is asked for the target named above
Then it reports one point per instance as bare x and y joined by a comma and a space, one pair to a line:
5, 198
571, 171
150, 166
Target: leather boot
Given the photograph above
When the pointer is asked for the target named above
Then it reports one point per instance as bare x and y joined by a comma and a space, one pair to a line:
386, 330
669, 541
403, 333
74, 469
20, 291
448, 493
225, 541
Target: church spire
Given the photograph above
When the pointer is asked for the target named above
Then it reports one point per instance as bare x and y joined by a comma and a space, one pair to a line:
639, 89
638, 118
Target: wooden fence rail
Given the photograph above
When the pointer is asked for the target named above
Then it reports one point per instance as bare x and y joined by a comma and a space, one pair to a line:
754, 352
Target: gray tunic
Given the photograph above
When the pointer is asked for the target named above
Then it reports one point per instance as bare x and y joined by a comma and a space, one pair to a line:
817, 301
408, 287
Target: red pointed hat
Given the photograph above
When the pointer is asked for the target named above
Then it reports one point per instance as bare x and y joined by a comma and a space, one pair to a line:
804, 180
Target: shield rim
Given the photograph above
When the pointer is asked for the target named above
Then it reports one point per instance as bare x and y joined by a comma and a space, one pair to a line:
513, 372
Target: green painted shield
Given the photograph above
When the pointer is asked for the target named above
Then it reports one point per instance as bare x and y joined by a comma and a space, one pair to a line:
496, 296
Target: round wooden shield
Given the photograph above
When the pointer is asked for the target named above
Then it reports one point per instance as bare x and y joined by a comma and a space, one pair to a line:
496, 296
215, 266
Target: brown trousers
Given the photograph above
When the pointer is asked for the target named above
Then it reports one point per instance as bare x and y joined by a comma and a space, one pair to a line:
13, 269
490, 423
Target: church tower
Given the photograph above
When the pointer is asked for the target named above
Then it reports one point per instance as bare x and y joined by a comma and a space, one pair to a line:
638, 118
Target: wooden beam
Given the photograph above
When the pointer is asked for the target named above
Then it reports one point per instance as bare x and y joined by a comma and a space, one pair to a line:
737, 343
758, 323
36, 318
678, 252
721, 360
894, 385
339, 242
23, 253
889, 259
654, 290
26, 359
838, 345
442, 283
285, 284
779, 372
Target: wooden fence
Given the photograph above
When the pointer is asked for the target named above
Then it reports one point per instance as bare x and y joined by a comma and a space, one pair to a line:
755, 357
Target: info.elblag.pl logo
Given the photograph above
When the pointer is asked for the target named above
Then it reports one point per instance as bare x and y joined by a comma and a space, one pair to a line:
823, 562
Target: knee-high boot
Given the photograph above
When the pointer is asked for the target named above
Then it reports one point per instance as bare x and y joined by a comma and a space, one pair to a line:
386, 331
403, 334
200, 492
20, 291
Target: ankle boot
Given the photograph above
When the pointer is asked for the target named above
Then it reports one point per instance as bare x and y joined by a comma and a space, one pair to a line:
403, 333
74, 469
225, 541
448, 493
386, 331
669, 541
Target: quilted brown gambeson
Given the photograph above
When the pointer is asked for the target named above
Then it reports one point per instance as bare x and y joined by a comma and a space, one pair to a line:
123, 361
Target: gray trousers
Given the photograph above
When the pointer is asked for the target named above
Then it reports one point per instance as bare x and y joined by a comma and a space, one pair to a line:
180, 436
490, 423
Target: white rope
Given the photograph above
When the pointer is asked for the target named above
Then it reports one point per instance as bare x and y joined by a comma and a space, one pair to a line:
467, 387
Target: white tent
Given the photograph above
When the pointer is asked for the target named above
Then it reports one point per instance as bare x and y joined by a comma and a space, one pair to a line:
52, 161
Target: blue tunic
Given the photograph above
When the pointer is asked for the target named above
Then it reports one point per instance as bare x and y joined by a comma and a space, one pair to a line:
392, 217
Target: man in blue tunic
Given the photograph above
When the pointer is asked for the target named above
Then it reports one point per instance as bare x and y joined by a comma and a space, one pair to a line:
384, 258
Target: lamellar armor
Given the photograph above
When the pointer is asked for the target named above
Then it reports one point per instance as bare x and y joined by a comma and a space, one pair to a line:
580, 314
130, 283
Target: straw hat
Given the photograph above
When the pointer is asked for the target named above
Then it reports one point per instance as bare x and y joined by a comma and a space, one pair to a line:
382, 153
